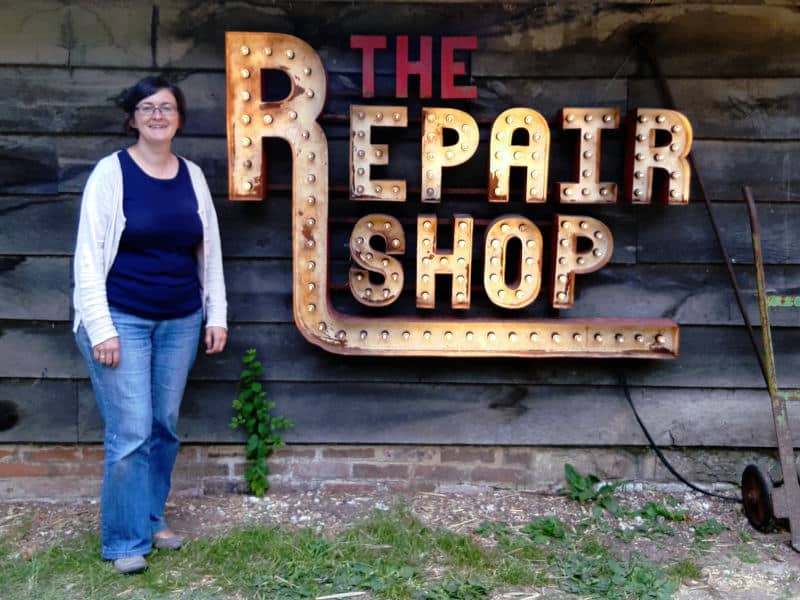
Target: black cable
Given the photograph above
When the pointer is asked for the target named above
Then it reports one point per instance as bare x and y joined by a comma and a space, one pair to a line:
657, 450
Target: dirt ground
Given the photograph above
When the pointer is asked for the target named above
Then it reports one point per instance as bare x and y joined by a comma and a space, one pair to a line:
740, 564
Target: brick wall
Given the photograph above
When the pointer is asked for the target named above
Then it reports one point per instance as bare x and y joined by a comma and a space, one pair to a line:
43, 472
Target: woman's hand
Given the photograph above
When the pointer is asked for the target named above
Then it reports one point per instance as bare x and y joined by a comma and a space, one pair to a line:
216, 337
107, 353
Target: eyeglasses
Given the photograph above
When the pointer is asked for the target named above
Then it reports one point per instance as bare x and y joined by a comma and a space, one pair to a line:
166, 110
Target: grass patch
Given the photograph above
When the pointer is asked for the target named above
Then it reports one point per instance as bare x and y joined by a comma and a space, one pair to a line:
391, 554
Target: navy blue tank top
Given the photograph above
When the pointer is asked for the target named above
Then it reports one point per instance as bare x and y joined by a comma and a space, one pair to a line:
154, 274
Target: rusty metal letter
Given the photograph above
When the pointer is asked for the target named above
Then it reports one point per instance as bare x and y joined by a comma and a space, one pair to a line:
431, 261
523, 291
644, 156
567, 261
587, 187
533, 156
363, 154
390, 229
436, 155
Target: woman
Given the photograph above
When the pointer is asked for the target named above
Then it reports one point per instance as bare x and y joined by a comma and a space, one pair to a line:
148, 272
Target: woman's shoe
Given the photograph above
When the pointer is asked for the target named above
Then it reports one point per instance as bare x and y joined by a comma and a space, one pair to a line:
171, 541
130, 565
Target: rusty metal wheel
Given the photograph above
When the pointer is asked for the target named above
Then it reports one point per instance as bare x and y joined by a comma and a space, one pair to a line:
757, 498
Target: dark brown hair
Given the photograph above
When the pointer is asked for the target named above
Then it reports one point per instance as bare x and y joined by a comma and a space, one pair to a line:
143, 88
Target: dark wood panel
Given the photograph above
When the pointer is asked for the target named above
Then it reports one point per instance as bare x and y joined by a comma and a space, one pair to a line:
519, 39
690, 39
34, 225
260, 291
38, 411
362, 413
82, 100
29, 164
710, 356
77, 156
684, 234
725, 166
37, 289
729, 108
47, 225
767, 167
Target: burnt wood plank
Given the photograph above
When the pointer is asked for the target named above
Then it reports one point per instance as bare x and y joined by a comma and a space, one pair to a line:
517, 39
77, 156
260, 291
710, 356
38, 411
37, 289
47, 226
729, 108
690, 40
363, 413
34, 225
29, 164
725, 165
83, 100
684, 234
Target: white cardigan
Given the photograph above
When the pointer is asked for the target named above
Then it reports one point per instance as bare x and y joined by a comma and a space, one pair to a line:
99, 231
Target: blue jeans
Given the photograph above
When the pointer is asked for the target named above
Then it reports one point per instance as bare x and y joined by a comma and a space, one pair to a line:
139, 402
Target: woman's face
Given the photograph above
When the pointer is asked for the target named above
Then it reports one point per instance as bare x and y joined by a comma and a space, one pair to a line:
157, 117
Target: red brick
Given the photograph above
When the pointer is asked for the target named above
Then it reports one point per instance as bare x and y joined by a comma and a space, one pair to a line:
91, 469
274, 468
55, 453
413, 454
467, 455
348, 452
321, 470
440, 473
348, 487
296, 452
380, 471
218, 485
40, 488
223, 451
94, 453
499, 475
516, 457
410, 485
198, 470
191, 454
23, 470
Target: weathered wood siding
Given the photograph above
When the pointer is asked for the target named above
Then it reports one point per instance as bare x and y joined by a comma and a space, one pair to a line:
735, 72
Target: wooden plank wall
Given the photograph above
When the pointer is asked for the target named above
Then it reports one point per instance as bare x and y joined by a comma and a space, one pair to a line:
735, 72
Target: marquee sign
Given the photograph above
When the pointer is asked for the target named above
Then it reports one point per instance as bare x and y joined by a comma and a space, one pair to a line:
577, 244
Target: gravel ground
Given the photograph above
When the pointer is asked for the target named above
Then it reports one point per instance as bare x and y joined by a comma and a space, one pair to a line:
740, 564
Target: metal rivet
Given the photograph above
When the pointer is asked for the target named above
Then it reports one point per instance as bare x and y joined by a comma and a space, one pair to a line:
290, 54
245, 50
